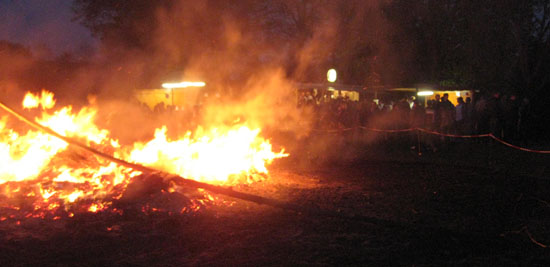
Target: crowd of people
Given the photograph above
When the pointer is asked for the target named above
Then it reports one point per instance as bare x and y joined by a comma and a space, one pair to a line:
505, 116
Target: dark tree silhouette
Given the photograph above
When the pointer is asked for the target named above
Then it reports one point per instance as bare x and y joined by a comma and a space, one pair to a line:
129, 22
487, 45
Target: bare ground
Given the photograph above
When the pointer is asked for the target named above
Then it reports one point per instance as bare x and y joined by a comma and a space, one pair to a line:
377, 208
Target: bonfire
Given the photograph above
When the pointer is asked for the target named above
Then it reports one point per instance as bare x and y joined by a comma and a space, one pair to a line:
43, 176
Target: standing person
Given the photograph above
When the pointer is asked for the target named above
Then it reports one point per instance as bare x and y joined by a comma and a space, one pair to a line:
468, 116
510, 114
524, 121
481, 116
447, 113
402, 111
494, 112
460, 111
418, 114
437, 112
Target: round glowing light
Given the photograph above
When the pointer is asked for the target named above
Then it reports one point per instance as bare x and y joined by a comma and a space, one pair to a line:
331, 75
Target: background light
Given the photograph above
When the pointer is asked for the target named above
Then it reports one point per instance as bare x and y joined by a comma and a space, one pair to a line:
183, 85
332, 75
425, 93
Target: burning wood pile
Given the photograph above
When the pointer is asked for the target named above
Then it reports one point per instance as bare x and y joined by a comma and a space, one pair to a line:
42, 176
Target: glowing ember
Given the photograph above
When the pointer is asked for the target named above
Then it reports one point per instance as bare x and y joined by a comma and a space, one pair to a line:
37, 167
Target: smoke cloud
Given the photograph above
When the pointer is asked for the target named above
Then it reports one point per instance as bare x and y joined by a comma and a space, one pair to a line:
250, 55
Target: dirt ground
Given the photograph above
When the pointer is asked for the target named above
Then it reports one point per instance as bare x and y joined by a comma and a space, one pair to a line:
466, 205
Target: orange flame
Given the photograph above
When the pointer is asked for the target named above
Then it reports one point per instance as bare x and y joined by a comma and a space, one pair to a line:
218, 155
45, 100
209, 156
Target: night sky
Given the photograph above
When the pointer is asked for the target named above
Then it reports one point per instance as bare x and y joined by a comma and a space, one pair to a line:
43, 25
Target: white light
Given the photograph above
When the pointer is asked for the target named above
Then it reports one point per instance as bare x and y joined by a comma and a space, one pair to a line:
425, 93
457, 93
183, 85
332, 75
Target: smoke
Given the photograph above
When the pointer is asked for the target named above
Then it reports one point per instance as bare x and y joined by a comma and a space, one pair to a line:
40, 48
250, 55
245, 76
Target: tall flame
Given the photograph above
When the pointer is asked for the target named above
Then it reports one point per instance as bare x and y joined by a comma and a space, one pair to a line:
45, 100
209, 156
25, 156
220, 155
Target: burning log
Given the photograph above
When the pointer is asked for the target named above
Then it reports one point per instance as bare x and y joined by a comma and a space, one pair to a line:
168, 177
143, 187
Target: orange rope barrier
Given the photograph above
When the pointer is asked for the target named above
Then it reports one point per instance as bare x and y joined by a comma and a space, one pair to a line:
387, 131
453, 135
436, 133
334, 130
517, 147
